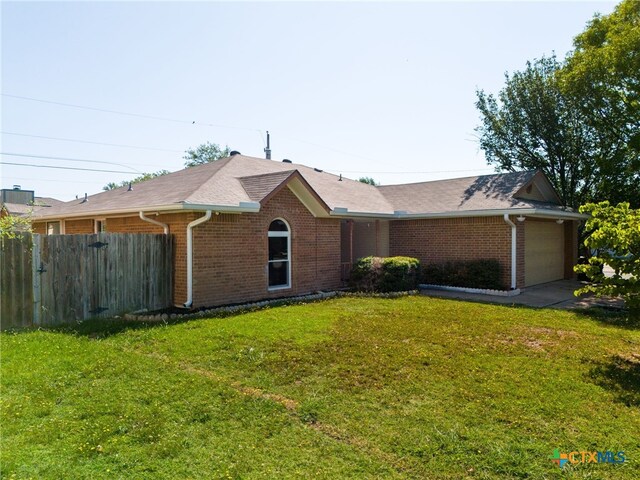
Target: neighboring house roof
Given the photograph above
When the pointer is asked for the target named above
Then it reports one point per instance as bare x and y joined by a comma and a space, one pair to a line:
241, 184
21, 209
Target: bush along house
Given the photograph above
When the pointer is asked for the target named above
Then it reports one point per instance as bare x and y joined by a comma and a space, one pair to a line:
248, 228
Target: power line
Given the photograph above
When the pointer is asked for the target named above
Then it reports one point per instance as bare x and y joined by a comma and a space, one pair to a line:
64, 168
90, 142
31, 179
129, 114
68, 159
432, 171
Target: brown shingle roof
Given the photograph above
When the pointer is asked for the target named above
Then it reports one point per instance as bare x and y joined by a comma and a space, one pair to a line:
486, 192
222, 183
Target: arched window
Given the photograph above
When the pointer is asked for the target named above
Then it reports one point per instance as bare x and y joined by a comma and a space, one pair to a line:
279, 255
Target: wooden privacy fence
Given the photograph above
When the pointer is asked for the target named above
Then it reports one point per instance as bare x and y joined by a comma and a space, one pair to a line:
56, 279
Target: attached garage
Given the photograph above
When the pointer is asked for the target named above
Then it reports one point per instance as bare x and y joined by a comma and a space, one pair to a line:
544, 252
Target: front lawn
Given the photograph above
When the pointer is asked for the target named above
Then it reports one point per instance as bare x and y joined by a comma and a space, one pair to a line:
346, 388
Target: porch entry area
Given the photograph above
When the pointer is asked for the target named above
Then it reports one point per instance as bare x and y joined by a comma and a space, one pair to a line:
362, 238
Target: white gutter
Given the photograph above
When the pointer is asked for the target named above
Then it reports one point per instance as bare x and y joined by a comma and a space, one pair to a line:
514, 256
242, 207
155, 222
195, 223
402, 215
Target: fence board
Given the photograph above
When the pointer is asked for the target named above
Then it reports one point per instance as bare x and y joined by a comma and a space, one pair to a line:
16, 289
79, 281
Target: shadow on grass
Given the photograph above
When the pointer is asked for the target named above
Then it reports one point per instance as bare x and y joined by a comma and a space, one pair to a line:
101, 328
627, 319
620, 375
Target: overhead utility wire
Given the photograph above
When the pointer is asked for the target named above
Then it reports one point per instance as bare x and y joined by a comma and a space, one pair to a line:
67, 159
90, 142
432, 171
64, 168
130, 114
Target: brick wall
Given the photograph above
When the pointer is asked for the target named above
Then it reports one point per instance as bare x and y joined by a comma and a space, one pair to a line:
231, 253
75, 227
441, 240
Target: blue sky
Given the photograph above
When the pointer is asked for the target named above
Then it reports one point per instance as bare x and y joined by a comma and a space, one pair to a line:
383, 89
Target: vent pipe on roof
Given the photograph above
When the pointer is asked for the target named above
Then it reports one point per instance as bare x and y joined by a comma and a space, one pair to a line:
86, 199
130, 187
340, 179
267, 150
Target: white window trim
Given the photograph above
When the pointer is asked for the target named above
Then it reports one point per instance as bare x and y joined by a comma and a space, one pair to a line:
95, 224
59, 227
286, 234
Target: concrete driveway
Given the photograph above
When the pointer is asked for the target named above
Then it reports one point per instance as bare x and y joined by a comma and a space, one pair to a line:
557, 294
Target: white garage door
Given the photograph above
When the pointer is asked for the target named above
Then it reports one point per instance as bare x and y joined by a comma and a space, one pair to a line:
543, 252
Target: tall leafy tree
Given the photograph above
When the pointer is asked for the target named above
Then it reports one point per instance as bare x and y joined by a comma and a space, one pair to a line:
205, 153
577, 120
602, 74
532, 124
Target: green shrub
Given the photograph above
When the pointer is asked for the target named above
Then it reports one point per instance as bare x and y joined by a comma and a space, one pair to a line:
385, 274
465, 273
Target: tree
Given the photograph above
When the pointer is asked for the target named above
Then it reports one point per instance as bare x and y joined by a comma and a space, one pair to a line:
603, 76
576, 120
614, 236
368, 180
141, 178
12, 225
533, 125
205, 153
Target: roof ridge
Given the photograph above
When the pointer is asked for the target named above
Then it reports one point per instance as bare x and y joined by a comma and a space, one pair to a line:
288, 172
224, 161
457, 178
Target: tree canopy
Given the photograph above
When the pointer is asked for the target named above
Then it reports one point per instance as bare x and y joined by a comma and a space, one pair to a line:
577, 120
141, 178
614, 236
205, 153
368, 180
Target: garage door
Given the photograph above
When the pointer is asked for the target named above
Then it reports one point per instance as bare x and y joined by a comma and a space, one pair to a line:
543, 253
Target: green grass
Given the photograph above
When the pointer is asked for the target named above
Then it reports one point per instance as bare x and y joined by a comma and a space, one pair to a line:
348, 388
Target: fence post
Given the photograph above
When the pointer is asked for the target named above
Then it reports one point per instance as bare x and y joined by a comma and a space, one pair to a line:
36, 260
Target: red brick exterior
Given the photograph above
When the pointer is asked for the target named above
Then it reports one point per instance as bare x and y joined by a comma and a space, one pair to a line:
77, 227
441, 240
231, 253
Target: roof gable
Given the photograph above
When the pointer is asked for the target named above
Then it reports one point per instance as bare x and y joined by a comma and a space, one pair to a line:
538, 188
261, 188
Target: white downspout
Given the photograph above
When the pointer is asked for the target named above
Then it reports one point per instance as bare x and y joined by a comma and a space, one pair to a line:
514, 256
155, 222
196, 222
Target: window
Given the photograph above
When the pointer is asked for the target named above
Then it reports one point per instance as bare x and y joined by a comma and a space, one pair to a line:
100, 225
279, 255
53, 228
